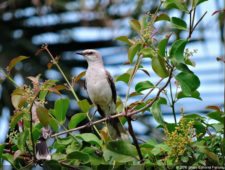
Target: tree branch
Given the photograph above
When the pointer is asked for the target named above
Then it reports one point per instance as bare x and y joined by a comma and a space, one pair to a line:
129, 114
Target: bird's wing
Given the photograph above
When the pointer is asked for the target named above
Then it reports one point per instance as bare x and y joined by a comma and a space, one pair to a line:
112, 85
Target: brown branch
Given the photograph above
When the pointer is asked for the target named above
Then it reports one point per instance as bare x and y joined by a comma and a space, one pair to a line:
130, 114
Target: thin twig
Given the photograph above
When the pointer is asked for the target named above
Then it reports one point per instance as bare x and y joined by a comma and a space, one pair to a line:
172, 103
131, 131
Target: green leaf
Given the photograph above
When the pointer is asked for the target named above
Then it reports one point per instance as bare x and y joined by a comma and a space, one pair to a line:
124, 78
84, 105
147, 52
183, 67
81, 156
52, 164
122, 147
58, 156
8, 157
179, 23
160, 149
135, 25
159, 67
74, 146
178, 4
216, 116
124, 39
209, 154
162, 47
22, 137
189, 82
95, 155
90, 138
2, 146
177, 51
198, 2
76, 119
141, 86
43, 116
60, 108
54, 125
162, 17
15, 119
194, 94
14, 61
133, 51
156, 111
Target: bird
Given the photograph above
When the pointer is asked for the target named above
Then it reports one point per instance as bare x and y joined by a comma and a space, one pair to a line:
42, 152
102, 92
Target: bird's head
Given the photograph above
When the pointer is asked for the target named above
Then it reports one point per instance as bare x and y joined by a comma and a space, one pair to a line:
91, 55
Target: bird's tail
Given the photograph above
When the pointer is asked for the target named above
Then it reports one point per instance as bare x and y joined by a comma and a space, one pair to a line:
116, 130
42, 152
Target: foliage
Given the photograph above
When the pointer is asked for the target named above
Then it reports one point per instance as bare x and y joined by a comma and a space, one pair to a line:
194, 140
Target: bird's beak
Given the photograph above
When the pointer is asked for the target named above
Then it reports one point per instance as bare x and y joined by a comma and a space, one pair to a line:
79, 53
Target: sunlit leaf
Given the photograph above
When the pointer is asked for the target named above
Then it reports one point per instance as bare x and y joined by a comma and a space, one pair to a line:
159, 66
162, 17
177, 51
189, 82
178, 4
84, 105
133, 51
60, 108
141, 86
90, 138
124, 39
135, 25
76, 119
122, 147
162, 47
124, 78
14, 61
147, 52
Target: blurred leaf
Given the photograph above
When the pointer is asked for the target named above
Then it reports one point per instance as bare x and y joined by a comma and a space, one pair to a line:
124, 39
135, 25
189, 82
179, 23
162, 17
162, 47
14, 61
183, 67
141, 86
90, 138
84, 105
147, 52
2, 146
81, 156
177, 51
198, 2
95, 156
76, 119
133, 51
156, 110
22, 138
58, 156
194, 94
79, 76
74, 146
54, 125
190, 62
53, 164
36, 131
145, 71
159, 67
60, 108
15, 119
209, 154
134, 94
124, 78
176, 4
160, 149
8, 157
216, 116
17, 98
216, 108
43, 116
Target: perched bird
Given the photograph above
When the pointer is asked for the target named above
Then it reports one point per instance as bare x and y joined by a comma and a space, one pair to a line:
42, 152
102, 92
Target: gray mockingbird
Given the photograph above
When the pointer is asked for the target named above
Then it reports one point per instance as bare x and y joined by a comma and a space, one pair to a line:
102, 92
